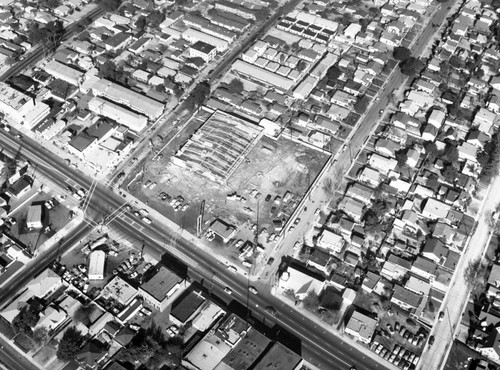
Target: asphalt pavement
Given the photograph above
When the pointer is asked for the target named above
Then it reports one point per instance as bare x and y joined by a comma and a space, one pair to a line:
319, 344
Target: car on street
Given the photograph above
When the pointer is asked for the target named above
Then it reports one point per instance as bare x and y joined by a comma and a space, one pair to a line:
228, 291
431, 340
232, 269
271, 310
441, 316
252, 290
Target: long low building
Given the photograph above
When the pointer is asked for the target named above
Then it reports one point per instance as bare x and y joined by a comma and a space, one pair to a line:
193, 35
261, 75
96, 265
121, 95
134, 121
64, 72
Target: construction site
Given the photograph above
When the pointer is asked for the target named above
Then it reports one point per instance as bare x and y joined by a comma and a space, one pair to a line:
232, 168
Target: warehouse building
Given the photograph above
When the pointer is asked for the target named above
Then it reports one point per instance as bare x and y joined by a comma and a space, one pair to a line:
262, 76
193, 36
134, 121
34, 217
121, 95
64, 72
97, 261
160, 288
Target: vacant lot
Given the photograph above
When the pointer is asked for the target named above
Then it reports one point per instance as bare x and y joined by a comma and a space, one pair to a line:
272, 168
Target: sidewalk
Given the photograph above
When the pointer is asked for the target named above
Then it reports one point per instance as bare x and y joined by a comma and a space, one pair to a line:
458, 293
27, 356
346, 338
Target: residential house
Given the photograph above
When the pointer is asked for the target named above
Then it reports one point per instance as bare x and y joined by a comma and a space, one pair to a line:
383, 164
405, 298
434, 209
418, 285
330, 241
352, 207
370, 176
360, 192
434, 249
425, 268
320, 260
370, 281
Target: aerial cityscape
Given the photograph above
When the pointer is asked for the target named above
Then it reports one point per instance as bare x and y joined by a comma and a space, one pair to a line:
250, 184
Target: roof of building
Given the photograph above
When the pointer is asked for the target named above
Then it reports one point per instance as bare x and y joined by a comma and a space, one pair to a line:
404, 295
186, 305
279, 357
222, 229
362, 324
245, 353
161, 283
120, 290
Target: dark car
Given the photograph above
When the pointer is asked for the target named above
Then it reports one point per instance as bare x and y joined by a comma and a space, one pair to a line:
271, 310
431, 340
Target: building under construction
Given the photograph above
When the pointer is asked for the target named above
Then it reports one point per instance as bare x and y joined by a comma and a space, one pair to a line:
219, 146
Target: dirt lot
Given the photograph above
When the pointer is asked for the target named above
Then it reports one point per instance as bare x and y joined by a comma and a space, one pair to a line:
271, 168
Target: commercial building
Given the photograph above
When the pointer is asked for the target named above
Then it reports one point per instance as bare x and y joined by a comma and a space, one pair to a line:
64, 72
121, 95
262, 76
192, 35
361, 327
203, 50
158, 290
97, 261
280, 357
20, 107
223, 230
119, 290
34, 217
134, 121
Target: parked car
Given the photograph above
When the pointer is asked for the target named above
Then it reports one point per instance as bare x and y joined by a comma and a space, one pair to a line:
252, 290
228, 291
271, 310
441, 316
173, 330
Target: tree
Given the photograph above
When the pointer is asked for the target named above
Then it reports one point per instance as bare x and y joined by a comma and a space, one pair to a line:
26, 319
361, 104
262, 13
401, 157
401, 53
449, 173
70, 344
235, 86
83, 313
489, 158
155, 18
141, 22
40, 335
412, 66
311, 301
301, 65
331, 300
450, 153
333, 73
198, 95
109, 5
473, 272
431, 150
108, 70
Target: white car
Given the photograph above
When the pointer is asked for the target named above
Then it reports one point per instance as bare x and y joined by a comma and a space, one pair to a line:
232, 269
252, 290
173, 330
146, 220
228, 291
